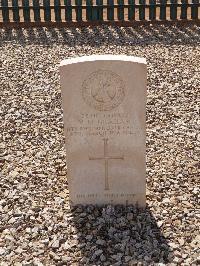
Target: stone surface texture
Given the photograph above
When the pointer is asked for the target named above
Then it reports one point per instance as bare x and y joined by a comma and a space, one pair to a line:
104, 103
37, 227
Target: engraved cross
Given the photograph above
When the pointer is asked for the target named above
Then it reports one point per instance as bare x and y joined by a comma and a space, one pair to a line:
106, 159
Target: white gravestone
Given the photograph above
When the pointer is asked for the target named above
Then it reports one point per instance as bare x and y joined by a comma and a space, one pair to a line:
104, 100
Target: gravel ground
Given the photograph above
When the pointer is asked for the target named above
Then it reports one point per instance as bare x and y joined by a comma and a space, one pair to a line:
37, 227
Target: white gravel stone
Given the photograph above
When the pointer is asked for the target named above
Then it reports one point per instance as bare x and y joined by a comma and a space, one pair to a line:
2, 251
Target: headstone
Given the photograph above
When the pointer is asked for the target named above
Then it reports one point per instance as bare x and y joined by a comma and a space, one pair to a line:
104, 99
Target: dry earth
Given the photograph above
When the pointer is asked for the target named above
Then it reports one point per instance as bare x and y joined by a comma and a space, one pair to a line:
37, 227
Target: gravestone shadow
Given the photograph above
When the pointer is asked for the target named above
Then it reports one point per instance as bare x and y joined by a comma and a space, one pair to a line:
120, 235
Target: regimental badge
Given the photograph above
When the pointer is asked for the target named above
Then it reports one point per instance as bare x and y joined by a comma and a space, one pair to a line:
103, 90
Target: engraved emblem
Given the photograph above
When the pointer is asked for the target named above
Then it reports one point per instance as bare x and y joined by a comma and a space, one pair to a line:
103, 90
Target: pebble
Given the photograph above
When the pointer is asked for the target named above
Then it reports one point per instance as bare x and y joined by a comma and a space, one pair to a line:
102, 258
98, 252
55, 244
54, 256
2, 251
160, 223
66, 259
101, 242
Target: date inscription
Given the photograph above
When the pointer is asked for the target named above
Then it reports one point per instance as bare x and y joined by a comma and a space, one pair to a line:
104, 125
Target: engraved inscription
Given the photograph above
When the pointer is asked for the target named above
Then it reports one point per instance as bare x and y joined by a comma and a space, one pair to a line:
104, 125
103, 90
102, 131
106, 159
106, 195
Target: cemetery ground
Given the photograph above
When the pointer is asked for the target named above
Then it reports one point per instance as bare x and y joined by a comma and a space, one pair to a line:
37, 226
